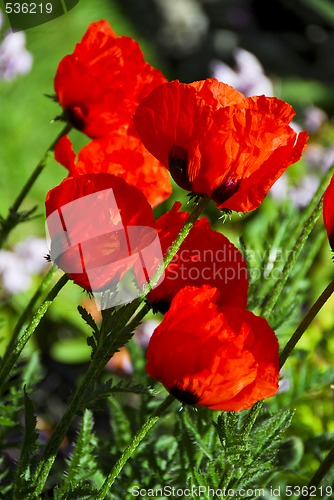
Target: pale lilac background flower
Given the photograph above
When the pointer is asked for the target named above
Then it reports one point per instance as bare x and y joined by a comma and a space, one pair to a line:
15, 59
144, 332
318, 158
314, 118
248, 76
18, 266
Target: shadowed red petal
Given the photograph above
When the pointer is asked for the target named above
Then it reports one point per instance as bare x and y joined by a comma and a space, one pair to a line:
123, 155
206, 256
91, 235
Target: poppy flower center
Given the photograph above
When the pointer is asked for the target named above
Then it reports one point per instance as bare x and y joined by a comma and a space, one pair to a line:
184, 395
178, 166
331, 239
161, 306
76, 115
225, 191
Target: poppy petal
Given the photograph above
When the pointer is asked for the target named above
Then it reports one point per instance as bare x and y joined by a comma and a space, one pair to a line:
206, 256
222, 358
328, 212
100, 84
214, 141
88, 217
123, 155
64, 153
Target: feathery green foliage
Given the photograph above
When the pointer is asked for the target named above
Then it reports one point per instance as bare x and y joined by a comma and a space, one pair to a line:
82, 470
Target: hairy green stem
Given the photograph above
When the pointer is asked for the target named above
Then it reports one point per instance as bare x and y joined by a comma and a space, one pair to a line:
306, 321
174, 248
268, 307
123, 319
96, 367
320, 473
57, 437
27, 314
273, 297
9, 363
12, 220
307, 212
127, 453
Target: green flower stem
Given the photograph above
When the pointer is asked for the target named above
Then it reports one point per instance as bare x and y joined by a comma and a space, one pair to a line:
57, 437
12, 220
309, 223
308, 318
193, 216
21, 343
28, 312
272, 299
150, 422
110, 342
101, 357
306, 321
321, 472
307, 212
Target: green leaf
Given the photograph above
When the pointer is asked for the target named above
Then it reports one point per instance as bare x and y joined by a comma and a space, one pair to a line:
191, 427
98, 391
29, 447
82, 465
88, 318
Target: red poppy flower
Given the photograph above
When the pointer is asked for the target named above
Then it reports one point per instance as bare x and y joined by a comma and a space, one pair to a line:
205, 257
328, 212
122, 155
224, 359
217, 142
101, 83
96, 232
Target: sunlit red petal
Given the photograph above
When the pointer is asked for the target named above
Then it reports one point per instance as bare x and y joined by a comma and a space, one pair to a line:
216, 93
102, 82
64, 153
225, 359
216, 142
328, 212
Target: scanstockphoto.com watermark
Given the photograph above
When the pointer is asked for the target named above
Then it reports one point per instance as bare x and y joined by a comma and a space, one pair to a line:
209, 492
113, 258
225, 264
23, 15
195, 492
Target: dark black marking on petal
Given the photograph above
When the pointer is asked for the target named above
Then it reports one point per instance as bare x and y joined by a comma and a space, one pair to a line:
223, 192
331, 240
76, 117
186, 396
161, 306
178, 166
